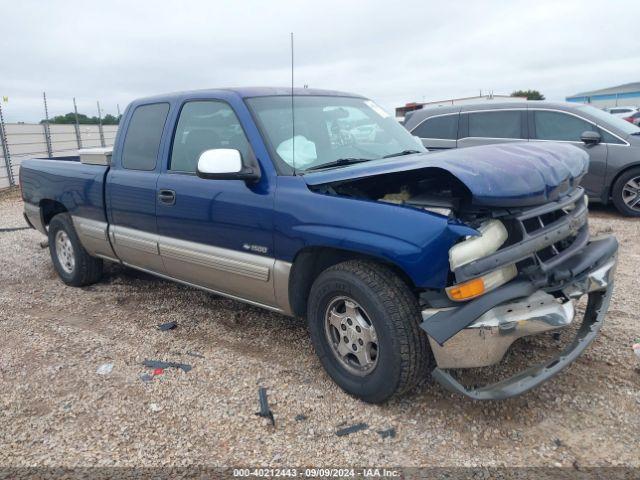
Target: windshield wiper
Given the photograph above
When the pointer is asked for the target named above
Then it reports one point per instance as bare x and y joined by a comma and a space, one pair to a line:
339, 162
404, 152
636, 133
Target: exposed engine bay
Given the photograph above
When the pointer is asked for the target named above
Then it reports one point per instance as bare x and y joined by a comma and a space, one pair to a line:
432, 189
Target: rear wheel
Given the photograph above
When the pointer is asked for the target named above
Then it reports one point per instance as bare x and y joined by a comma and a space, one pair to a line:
626, 193
364, 326
72, 262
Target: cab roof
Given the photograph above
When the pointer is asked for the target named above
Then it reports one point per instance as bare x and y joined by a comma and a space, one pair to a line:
246, 92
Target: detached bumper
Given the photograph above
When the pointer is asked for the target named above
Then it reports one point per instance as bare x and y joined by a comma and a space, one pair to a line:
480, 332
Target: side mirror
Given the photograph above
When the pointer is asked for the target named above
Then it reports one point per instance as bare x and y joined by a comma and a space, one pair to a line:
590, 137
226, 164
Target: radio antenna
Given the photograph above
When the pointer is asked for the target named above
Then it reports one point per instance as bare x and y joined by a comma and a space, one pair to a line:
293, 117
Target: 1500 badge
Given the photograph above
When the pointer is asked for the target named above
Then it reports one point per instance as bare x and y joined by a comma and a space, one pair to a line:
255, 248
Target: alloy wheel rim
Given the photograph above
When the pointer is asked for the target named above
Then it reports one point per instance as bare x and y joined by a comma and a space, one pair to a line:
351, 336
631, 193
64, 252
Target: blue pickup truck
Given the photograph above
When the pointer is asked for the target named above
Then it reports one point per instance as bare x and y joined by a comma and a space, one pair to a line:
318, 204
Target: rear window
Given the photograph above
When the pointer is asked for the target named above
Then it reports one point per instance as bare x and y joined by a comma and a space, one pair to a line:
443, 127
144, 132
498, 124
620, 110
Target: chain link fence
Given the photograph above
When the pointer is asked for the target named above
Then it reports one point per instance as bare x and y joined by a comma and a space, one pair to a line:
28, 140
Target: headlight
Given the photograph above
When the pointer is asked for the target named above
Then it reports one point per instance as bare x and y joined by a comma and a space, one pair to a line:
492, 235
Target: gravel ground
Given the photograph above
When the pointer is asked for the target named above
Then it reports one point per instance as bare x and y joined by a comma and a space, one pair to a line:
55, 410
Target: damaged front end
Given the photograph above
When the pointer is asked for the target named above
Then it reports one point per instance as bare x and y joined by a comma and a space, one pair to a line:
556, 264
522, 272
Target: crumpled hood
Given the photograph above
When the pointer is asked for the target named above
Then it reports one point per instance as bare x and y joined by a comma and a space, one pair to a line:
513, 174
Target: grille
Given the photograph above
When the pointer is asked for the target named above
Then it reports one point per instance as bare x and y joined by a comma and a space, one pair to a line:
542, 221
540, 238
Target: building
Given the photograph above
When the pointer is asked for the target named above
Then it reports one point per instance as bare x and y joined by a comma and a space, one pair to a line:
627, 94
410, 107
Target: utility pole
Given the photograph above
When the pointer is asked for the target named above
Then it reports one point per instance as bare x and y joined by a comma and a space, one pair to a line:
100, 125
78, 136
45, 125
5, 150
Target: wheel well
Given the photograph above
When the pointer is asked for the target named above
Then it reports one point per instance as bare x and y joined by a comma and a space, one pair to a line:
312, 261
49, 209
618, 175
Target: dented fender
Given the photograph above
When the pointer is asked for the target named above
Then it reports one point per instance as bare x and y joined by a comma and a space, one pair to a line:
416, 241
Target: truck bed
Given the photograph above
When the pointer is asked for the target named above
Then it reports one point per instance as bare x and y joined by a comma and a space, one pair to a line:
64, 180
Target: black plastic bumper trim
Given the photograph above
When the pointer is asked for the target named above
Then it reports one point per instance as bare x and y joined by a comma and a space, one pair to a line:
444, 325
534, 376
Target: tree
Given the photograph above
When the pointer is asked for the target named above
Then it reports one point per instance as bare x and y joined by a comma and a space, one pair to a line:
530, 94
70, 118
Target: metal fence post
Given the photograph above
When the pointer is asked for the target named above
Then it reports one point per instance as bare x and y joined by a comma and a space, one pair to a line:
45, 125
77, 125
5, 150
100, 125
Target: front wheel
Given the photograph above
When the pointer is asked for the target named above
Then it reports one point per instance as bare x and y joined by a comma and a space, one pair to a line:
626, 193
72, 262
363, 321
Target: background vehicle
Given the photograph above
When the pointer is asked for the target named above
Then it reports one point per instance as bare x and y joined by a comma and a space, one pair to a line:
635, 118
613, 145
218, 190
621, 112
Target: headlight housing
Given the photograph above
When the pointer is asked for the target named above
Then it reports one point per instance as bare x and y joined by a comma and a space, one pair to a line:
492, 235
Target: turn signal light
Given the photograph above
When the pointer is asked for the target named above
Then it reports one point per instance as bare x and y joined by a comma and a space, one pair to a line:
467, 290
481, 285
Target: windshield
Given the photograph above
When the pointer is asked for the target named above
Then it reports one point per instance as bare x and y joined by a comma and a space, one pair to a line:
606, 119
335, 131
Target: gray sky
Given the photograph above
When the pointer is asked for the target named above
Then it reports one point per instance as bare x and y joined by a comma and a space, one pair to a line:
391, 51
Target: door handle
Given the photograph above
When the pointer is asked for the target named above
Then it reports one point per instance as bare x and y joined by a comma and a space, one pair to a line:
168, 197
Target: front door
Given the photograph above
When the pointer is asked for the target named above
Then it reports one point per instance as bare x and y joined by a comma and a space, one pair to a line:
215, 233
552, 125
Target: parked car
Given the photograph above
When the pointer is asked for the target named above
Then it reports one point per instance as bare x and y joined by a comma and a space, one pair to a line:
386, 250
635, 118
621, 112
613, 145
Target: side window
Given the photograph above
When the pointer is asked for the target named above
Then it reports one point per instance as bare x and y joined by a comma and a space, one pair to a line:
608, 138
444, 127
560, 126
205, 125
142, 142
497, 124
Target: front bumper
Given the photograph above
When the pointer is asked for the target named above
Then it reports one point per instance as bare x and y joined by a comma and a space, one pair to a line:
480, 332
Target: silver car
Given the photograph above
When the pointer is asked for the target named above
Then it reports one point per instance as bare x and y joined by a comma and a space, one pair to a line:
613, 144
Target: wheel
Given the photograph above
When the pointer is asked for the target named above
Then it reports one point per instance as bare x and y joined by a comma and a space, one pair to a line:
363, 321
626, 193
72, 262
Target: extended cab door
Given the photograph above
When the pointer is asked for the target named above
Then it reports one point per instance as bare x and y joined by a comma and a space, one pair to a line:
559, 126
485, 127
131, 188
216, 234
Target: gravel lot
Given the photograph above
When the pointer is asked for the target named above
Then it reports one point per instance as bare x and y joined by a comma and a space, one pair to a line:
55, 410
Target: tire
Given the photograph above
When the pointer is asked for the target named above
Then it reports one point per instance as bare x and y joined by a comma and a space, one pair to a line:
74, 265
402, 355
619, 193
